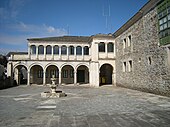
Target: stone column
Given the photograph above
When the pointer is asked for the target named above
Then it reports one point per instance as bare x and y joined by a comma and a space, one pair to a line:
44, 52
60, 52
75, 78
29, 53
44, 78
82, 53
106, 52
28, 78
74, 53
67, 52
52, 52
59, 77
36, 51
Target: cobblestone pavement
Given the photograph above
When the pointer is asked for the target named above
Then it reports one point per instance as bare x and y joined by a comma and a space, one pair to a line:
84, 106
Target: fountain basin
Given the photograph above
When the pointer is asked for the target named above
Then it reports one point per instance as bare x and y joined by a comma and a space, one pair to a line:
56, 94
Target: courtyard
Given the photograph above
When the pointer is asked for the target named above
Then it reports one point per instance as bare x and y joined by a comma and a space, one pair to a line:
84, 106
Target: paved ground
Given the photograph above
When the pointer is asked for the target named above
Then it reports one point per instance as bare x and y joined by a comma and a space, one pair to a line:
108, 106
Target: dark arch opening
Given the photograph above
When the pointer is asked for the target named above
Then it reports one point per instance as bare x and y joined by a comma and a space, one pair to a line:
106, 71
36, 74
50, 71
67, 74
82, 74
20, 75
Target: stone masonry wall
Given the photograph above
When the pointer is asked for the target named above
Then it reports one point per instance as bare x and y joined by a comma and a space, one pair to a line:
150, 70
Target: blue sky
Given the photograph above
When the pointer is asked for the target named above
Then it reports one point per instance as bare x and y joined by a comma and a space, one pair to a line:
22, 19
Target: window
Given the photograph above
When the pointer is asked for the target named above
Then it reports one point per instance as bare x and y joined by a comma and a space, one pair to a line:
86, 50
65, 73
56, 49
71, 73
101, 47
110, 47
33, 49
40, 73
71, 50
79, 50
40, 49
48, 49
130, 65
63, 50
124, 66
168, 24
129, 40
169, 17
124, 43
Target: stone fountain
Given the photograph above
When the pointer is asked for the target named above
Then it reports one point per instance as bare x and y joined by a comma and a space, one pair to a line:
54, 92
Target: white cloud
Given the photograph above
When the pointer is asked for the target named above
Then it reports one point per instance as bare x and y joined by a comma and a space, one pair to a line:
38, 30
25, 31
51, 29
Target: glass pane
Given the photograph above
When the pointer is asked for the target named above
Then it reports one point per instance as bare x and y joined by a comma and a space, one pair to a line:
33, 49
78, 50
110, 47
86, 50
48, 50
56, 49
41, 49
169, 17
64, 50
101, 47
165, 25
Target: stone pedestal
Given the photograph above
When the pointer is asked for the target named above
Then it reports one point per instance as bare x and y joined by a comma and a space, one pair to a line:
53, 93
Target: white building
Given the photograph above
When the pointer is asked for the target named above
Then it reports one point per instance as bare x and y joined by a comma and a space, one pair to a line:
72, 59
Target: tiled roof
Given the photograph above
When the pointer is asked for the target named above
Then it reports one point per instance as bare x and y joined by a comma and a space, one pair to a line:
63, 39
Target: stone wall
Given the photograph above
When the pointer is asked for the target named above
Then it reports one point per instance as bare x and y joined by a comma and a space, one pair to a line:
150, 69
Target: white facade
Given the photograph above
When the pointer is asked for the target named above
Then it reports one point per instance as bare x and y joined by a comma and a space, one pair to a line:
72, 59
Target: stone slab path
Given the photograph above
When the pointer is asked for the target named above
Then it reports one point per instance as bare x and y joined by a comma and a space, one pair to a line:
84, 106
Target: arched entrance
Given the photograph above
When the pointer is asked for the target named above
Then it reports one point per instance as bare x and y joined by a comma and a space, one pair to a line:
20, 75
36, 74
82, 74
106, 71
50, 71
67, 74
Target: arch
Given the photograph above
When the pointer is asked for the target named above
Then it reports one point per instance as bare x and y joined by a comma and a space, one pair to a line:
50, 71
56, 49
71, 50
78, 50
86, 50
33, 49
67, 64
82, 74
67, 74
50, 64
36, 74
101, 47
35, 64
81, 64
63, 50
48, 49
110, 47
106, 71
40, 49
20, 74
18, 64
